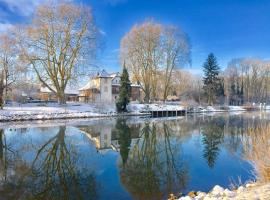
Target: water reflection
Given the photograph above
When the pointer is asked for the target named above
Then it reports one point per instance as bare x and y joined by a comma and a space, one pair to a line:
213, 134
154, 166
124, 138
52, 174
127, 158
55, 173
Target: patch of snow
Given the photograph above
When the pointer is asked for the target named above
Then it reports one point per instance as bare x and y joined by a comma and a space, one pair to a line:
236, 108
136, 107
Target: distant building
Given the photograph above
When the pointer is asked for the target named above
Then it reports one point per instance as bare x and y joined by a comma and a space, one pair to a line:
47, 95
104, 88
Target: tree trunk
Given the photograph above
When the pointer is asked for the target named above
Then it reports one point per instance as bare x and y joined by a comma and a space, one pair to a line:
61, 97
1, 145
147, 98
1, 99
147, 93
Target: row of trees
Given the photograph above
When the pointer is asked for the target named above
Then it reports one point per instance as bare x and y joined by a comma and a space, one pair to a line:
154, 53
247, 80
244, 80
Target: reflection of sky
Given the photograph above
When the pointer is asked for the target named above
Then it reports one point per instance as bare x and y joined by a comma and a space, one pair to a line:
228, 166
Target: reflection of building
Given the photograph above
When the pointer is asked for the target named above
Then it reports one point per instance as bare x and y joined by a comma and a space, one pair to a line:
104, 88
105, 137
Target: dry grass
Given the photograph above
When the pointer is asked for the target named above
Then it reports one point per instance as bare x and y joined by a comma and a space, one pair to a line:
257, 150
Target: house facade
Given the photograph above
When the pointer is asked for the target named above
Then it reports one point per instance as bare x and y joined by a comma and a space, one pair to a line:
105, 88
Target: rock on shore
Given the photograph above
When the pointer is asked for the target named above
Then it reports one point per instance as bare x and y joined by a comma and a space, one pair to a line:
249, 191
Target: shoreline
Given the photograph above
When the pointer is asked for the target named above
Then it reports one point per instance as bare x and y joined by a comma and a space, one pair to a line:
90, 115
249, 191
31, 112
63, 116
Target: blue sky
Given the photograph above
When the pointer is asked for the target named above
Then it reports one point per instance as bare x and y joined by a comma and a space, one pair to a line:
228, 28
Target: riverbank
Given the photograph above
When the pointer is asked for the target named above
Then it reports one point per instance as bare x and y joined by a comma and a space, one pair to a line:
250, 191
53, 111
23, 112
34, 111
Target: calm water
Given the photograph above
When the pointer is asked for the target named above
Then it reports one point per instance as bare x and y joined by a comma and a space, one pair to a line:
127, 158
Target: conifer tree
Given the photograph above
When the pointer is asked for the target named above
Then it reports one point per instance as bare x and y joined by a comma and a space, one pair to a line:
211, 78
124, 92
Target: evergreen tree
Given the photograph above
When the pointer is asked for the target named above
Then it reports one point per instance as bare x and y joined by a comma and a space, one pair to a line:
211, 78
124, 92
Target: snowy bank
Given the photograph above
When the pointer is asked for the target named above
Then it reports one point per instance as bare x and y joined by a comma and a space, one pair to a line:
42, 111
236, 108
139, 108
55, 111
250, 191
34, 111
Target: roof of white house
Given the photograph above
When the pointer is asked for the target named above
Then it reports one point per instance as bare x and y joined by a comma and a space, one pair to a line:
89, 85
113, 75
103, 74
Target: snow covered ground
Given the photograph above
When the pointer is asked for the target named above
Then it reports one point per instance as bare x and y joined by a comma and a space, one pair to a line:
136, 107
55, 111
34, 111
236, 108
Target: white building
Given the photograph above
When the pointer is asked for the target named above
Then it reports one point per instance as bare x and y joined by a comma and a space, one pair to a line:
104, 88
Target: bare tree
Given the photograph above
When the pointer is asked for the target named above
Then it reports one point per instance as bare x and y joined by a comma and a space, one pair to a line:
140, 49
176, 52
187, 86
59, 37
152, 52
7, 65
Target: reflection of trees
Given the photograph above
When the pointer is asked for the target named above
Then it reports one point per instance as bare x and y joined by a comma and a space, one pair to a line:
6, 156
124, 140
152, 169
213, 134
13, 171
234, 128
3, 166
56, 175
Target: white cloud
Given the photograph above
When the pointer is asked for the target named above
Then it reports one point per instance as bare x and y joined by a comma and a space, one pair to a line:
22, 7
27, 7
